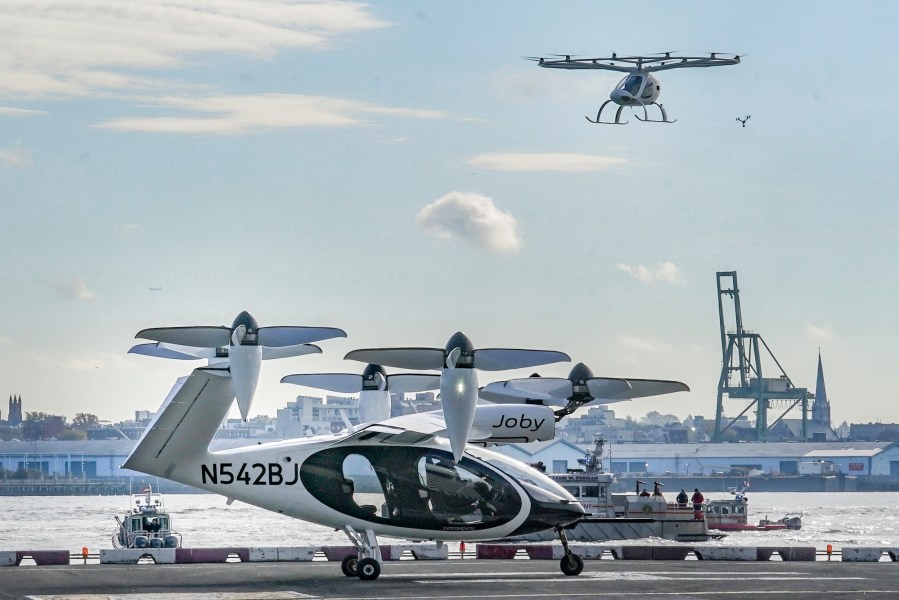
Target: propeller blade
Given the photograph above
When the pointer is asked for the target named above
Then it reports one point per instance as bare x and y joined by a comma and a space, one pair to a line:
342, 383
640, 388
609, 388
605, 388
195, 351
421, 359
237, 335
160, 352
269, 352
200, 337
500, 359
453, 357
295, 335
499, 392
553, 387
407, 383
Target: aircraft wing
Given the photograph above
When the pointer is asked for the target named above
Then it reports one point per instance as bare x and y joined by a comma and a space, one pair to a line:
493, 424
404, 429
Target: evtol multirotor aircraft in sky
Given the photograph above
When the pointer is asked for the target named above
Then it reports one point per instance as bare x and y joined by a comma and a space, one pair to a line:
639, 88
424, 476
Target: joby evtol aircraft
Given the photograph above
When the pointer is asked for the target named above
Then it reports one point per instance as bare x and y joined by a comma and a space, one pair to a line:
638, 88
424, 476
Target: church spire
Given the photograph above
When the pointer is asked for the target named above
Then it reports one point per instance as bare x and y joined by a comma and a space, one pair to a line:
821, 408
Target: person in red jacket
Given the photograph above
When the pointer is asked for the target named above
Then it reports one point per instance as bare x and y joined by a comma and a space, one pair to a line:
697, 499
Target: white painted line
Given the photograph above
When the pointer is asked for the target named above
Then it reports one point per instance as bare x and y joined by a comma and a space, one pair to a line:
180, 596
643, 595
637, 577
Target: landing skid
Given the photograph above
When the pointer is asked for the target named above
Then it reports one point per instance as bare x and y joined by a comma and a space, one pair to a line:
599, 120
646, 118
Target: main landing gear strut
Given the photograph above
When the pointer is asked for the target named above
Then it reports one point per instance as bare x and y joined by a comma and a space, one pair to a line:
366, 565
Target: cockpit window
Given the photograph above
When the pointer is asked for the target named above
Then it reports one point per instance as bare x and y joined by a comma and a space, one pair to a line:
522, 472
410, 487
631, 84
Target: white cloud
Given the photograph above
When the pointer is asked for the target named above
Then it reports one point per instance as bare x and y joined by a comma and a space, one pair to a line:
472, 217
75, 289
9, 111
127, 230
567, 162
665, 272
555, 85
240, 114
820, 333
15, 157
96, 362
647, 346
65, 48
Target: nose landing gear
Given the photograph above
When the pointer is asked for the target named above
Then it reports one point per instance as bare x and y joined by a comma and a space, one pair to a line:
571, 563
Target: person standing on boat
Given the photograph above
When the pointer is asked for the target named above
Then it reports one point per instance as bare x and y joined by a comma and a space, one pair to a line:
682, 498
697, 499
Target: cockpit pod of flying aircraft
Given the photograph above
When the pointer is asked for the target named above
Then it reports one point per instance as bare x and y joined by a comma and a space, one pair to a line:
398, 477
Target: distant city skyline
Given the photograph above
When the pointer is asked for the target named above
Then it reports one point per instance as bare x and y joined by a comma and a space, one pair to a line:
398, 170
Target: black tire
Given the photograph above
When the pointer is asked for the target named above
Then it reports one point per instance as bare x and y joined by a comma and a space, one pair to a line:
349, 566
572, 564
368, 569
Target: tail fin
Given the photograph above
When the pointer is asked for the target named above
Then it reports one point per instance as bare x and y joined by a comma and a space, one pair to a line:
179, 437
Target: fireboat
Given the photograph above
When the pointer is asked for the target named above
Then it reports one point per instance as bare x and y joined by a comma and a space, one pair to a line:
730, 514
636, 515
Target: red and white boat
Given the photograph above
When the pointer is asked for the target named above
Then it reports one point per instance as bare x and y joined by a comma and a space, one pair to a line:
731, 514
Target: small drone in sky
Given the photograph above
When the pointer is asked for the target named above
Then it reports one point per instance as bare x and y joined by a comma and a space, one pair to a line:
743, 120
639, 87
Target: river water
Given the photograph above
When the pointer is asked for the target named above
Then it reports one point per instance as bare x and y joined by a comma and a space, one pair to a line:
205, 520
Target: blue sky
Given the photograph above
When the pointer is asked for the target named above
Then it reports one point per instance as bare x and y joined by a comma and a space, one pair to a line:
397, 170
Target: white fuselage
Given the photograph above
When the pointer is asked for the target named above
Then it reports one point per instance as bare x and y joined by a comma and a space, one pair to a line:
636, 89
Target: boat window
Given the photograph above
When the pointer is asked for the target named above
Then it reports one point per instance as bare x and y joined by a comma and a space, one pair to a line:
740, 510
591, 491
410, 487
724, 510
574, 490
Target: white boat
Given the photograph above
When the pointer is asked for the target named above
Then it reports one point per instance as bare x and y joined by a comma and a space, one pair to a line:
629, 516
146, 524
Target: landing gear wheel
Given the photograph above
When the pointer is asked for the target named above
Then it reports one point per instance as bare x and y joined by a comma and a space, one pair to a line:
369, 569
349, 566
572, 564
